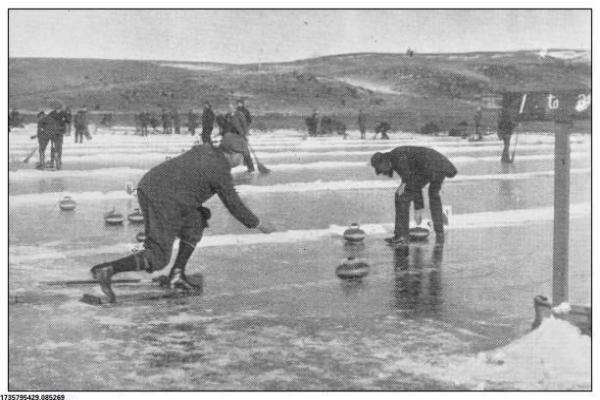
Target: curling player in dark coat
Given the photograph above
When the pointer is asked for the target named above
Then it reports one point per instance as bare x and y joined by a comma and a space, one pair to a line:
170, 196
417, 167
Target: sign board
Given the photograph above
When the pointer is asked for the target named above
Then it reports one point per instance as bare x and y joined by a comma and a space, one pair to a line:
491, 102
543, 106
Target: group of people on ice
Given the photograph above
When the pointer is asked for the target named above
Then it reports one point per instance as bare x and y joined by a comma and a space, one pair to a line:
170, 121
317, 125
51, 129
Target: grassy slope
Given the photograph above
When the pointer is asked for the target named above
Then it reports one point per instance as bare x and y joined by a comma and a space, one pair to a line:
408, 91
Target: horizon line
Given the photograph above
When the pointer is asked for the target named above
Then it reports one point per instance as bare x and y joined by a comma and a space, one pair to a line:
300, 59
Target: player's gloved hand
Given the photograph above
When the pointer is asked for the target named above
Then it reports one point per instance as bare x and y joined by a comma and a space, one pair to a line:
418, 217
265, 227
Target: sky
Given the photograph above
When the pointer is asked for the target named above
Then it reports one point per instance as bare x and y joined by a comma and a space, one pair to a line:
246, 36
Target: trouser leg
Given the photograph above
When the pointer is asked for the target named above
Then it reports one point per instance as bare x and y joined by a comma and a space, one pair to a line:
506, 150
402, 214
42, 144
206, 136
189, 235
58, 151
52, 150
435, 206
248, 161
160, 226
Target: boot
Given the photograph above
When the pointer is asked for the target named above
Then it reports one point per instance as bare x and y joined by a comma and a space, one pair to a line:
177, 278
103, 273
397, 241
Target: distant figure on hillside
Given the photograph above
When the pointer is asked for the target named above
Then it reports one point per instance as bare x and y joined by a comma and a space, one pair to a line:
166, 122
382, 128
477, 120
192, 122
208, 123
81, 125
505, 131
362, 124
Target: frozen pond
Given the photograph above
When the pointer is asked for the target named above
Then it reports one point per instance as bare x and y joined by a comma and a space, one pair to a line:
273, 314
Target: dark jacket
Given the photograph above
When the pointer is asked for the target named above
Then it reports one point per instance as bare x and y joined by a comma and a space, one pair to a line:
505, 124
208, 118
383, 127
413, 163
55, 123
80, 120
246, 113
362, 120
478, 116
238, 123
190, 179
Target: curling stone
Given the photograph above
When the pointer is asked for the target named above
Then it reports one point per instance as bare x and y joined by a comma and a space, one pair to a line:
136, 217
354, 234
67, 204
140, 237
352, 268
113, 218
420, 232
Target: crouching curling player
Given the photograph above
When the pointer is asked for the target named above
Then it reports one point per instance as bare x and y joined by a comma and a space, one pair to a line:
417, 167
170, 197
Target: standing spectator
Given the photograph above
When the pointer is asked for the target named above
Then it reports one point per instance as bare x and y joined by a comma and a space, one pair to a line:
208, 122
175, 119
505, 131
153, 119
43, 139
166, 122
55, 125
144, 120
14, 119
237, 121
362, 124
241, 106
477, 118
69, 117
81, 125
192, 123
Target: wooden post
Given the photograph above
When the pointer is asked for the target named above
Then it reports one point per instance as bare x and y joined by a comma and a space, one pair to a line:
562, 166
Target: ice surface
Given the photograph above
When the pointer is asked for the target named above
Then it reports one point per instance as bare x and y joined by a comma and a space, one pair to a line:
274, 315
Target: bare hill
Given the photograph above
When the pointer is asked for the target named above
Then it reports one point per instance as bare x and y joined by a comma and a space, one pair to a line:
410, 90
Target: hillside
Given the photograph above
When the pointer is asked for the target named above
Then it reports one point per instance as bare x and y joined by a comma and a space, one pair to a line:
406, 90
